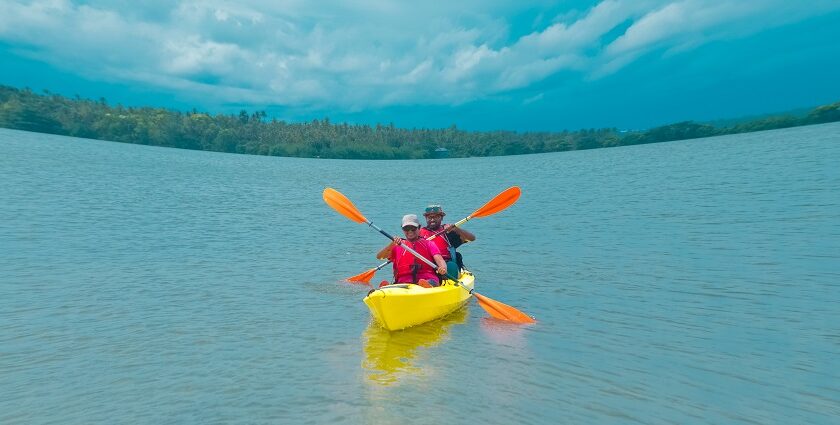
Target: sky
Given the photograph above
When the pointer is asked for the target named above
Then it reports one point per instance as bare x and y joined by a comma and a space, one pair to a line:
477, 64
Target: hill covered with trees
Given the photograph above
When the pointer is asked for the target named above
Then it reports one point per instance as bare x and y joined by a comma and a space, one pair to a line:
254, 133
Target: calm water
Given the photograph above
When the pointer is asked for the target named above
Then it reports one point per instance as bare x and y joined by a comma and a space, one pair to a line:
685, 282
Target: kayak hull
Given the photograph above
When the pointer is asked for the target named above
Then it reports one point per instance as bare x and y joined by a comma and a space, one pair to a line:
401, 306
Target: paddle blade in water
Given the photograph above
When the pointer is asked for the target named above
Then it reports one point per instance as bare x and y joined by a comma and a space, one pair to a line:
363, 278
500, 202
340, 203
501, 310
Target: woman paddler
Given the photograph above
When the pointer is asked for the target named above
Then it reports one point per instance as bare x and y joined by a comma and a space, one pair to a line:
407, 268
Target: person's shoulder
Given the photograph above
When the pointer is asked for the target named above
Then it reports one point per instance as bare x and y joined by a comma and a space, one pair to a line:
426, 242
429, 244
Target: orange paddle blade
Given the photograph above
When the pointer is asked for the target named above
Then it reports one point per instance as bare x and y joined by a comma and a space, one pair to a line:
340, 203
363, 277
503, 200
501, 310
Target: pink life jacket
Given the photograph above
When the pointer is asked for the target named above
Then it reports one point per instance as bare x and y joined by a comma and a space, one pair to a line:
405, 263
440, 240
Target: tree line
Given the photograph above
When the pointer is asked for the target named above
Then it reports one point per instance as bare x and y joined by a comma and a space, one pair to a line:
254, 133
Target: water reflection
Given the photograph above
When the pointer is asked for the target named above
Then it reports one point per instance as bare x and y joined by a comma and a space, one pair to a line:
389, 355
504, 333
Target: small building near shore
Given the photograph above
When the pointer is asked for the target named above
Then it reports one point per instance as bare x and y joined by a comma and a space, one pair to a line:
441, 153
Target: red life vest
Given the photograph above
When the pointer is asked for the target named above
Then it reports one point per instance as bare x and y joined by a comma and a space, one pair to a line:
441, 241
404, 261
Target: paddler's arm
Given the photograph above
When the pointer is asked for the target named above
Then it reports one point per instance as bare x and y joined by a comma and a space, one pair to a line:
466, 235
385, 253
441, 270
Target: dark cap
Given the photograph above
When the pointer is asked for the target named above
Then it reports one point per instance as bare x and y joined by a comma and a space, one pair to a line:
434, 209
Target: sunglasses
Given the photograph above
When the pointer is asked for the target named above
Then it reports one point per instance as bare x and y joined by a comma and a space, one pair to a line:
409, 228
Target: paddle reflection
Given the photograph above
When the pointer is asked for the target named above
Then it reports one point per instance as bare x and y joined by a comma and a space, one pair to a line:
388, 355
503, 333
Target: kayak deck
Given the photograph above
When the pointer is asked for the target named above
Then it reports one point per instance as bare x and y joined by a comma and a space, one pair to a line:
401, 306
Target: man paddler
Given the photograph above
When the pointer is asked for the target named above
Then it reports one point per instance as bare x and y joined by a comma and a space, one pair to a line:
451, 237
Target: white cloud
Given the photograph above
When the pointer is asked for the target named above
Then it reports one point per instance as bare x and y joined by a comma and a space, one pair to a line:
369, 53
680, 26
533, 99
192, 55
676, 22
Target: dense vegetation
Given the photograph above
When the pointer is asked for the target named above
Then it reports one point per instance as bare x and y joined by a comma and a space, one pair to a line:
253, 133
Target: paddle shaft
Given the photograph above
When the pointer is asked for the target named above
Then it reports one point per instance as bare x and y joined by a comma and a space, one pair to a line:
379, 267
456, 224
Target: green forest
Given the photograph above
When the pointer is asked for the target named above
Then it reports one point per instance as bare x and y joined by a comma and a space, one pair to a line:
255, 133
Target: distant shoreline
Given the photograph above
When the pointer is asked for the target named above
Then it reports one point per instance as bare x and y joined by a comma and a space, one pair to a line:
253, 133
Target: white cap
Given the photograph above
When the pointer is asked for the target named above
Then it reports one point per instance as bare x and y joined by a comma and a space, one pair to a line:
410, 220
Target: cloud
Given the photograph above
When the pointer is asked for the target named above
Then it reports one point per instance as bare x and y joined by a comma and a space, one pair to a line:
532, 99
371, 53
684, 25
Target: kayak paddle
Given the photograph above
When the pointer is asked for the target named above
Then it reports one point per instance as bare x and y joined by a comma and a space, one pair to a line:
365, 277
496, 309
499, 202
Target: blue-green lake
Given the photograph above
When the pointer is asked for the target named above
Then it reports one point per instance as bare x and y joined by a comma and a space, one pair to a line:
692, 282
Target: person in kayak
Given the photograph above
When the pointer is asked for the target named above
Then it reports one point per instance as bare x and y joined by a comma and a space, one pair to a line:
407, 268
447, 242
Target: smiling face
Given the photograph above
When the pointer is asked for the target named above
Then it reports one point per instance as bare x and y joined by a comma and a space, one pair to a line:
433, 220
410, 232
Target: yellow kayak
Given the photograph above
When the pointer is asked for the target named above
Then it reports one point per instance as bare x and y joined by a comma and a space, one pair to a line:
403, 305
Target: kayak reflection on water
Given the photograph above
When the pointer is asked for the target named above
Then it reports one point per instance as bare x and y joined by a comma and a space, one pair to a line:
389, 354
